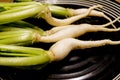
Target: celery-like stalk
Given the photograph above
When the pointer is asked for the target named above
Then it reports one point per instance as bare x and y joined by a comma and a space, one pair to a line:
17, 9
23, 0
14, 4
19, 33
16, 15
60, 11
38, 56
18, 25
17, 37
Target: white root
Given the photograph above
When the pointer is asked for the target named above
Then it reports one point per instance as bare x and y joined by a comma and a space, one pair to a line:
109, 23
83, 10
63, 47
74, 31
92, 13
56, 29
58, 33
61, 22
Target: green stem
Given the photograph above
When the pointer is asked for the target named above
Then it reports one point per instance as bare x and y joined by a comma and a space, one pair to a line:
18, 25
40, 56
62, 22
16, 9
17, 37
15, 16
23, 0
14, 4
14, 54
19, 33
59, 11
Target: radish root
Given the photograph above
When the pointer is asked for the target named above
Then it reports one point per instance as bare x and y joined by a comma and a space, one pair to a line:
63, 47
92, 13
58, 33
61, 22
74, 31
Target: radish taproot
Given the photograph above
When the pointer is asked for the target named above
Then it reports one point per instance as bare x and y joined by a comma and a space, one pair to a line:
60, 11
61, 22
58, 33
63, 47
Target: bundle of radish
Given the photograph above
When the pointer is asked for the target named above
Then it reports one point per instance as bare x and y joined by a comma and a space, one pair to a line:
22, 10
77, 13
58, 33
29, 34
15, 33
18, 56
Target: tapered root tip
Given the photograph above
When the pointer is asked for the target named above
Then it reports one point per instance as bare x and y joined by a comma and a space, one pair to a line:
63, 47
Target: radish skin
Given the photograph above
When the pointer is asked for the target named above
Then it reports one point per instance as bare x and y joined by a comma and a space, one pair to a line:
61, 22
58, 10
74, 31
58, 33
68, 12
63, 47
17, 56
58, 28
92, 13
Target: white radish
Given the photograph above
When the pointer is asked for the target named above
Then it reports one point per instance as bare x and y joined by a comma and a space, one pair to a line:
58, 33
61, 22
92, 13
62, 48
69, 12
